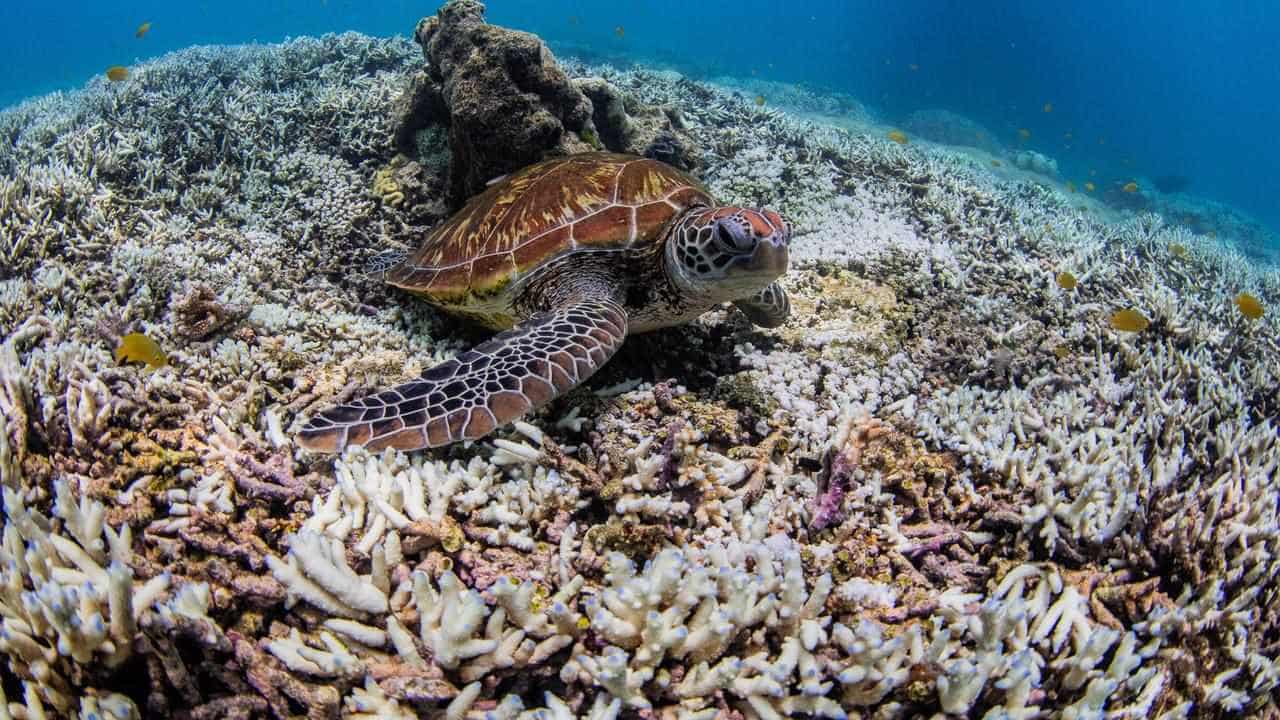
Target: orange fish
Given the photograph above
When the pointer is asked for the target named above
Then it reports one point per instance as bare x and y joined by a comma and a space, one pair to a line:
759, 101
1130, 187
142, 31
897, 136
1090, 187
1250, 306
116, 73
136, 347
1024, 134
1130, 321
1048, 107
1066, 280
620, 31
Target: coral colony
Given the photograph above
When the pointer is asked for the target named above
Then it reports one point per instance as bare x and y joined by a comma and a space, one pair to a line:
946, 487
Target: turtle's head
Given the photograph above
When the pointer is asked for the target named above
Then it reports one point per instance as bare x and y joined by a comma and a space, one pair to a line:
727, 253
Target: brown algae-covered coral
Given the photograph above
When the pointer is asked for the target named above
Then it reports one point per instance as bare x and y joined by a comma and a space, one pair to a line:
1017, 533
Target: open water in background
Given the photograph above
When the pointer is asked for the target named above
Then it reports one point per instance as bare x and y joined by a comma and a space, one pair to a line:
1146, 88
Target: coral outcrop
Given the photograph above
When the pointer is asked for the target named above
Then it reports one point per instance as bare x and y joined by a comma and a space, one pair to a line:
506, 103
629, 126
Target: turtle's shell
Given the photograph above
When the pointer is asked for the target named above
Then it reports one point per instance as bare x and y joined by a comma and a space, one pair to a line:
591, 201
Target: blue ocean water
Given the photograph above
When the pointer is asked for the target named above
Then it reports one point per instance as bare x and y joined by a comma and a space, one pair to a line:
1134, 88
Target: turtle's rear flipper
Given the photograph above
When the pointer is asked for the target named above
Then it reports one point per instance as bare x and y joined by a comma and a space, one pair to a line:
498, 381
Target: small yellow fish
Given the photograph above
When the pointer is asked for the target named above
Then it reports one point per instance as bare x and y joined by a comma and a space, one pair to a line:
1066, 280
897, 136
996, 163
142, 31
1024, 134
1250, 306
1062, 351
116, 73
1090, 187
1129, 321
620, 31
759, 101
1071, 187
1178, 250
1048, 107
136, 347
1130, 187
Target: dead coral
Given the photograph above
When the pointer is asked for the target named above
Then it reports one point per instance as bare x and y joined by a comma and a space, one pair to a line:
508, 103
626, 125
198, 313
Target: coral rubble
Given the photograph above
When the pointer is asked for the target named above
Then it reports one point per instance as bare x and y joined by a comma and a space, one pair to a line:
946, 487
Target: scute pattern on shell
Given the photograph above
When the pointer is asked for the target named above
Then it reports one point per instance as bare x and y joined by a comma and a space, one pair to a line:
597, 201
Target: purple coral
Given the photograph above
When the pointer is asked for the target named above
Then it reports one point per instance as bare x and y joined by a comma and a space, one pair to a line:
828, 506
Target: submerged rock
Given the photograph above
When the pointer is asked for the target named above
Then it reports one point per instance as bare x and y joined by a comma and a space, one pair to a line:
507, 103
504, 98
624, 125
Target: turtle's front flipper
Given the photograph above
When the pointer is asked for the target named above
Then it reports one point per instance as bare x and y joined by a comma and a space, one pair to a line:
494, 383
378, 265
768, 308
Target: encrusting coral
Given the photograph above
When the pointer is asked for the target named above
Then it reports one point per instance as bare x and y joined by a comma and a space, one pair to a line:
947, 487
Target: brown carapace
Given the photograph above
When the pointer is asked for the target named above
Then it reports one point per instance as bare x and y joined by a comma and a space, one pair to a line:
567, 256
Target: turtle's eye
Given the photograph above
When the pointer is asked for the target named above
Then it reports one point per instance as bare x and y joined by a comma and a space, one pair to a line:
733, 237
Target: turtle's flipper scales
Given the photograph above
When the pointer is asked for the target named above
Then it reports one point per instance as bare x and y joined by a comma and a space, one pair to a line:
768, 308
494, 383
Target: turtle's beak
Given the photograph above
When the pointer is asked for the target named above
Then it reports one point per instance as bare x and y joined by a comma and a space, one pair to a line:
770, 257
773, 236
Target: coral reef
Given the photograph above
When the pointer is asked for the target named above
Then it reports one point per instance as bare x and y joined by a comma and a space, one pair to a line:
946, 487
1035, 162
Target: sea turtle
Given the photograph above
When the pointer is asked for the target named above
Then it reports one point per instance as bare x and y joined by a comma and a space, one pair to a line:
567, 257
